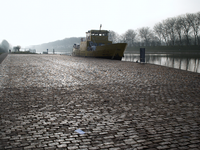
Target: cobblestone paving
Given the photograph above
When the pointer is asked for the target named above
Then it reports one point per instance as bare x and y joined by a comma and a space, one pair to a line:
119, 105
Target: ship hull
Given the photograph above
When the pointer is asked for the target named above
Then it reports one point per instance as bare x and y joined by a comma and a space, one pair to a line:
111, 51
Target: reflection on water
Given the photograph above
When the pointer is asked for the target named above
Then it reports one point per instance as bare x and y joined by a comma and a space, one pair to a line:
189, 63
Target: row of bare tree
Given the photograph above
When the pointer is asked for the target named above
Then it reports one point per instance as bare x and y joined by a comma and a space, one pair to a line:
181, 30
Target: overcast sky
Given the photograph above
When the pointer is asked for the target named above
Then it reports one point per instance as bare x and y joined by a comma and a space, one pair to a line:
33, 22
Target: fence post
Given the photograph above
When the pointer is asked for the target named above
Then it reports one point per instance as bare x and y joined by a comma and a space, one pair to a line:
142, 54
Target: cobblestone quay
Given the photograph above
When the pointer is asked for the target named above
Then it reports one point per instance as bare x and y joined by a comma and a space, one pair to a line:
119, 105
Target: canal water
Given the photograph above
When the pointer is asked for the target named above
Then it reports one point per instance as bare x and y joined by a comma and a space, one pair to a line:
180, 61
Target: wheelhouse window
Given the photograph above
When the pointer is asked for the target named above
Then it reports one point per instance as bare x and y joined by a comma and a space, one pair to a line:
99, 34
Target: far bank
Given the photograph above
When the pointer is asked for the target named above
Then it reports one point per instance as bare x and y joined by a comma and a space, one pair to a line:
165, 49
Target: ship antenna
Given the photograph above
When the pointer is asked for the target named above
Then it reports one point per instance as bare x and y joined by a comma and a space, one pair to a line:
100, 26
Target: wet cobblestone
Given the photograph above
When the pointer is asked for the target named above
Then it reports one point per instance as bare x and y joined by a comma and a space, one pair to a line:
119, 105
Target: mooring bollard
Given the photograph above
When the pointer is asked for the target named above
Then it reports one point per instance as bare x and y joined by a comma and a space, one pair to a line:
142, 54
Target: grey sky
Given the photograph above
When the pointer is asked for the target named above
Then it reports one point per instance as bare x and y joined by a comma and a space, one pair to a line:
31, 22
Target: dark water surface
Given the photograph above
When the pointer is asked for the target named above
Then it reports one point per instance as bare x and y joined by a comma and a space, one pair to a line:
180, 61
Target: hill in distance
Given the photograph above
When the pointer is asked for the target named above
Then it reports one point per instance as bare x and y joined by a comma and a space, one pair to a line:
64, 45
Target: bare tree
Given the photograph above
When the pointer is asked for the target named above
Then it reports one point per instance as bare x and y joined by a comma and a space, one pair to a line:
170, 23
158, 31
165, 32
122, 38
17, 48
198, 24
193, 21
186, 28
155, 41
178, 29
162, 30
113, 36
130, 37
145, 34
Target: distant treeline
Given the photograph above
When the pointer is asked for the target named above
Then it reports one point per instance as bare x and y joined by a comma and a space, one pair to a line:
180, 30
183, 30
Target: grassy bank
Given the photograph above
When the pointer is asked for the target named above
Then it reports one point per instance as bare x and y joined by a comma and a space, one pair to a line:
165, 49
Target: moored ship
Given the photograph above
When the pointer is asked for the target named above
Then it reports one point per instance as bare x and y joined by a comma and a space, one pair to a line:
97, 45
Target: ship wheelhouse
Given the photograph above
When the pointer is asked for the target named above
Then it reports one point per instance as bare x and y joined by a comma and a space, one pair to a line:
97, 38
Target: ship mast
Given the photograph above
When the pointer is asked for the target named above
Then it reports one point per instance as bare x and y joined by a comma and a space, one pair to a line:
100, 26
